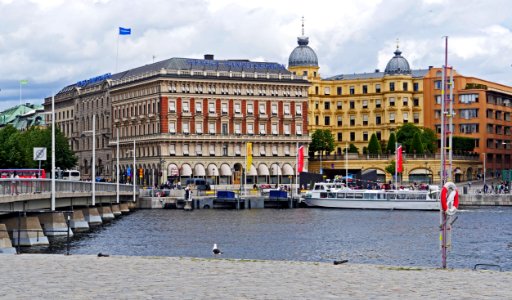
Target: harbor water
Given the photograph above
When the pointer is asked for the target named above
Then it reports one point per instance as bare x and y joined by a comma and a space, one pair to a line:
406, 238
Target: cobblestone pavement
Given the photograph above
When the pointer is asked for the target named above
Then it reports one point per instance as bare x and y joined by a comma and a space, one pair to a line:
40, 276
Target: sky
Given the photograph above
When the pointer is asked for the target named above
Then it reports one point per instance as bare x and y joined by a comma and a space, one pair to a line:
54, 43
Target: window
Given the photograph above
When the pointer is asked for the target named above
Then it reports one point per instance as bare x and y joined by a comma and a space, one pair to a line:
327, 105
237, 108
262, 150
405, 86
250, 129
365, 120
377, 88
391, 117
365, 136
172, 106
199, 107
437, 114
286, 129
225, 149
298, 109
185, 128
468, 128
405, 101
352, 90
262, 129
416, 86
299, 129
274, 150
212, 149
416, 117
316, 104
338, 105
287, 150
262, 108
327, 120
199, 128
365, 89
199, 150
340, 122
238, 151
392, 101
224, 109
377, 103
378, 120
437, 84
186, 107
224, 128
172, 128
392, 86
406, 117
185, 150
378, 134
327, 91
352, 105
438, 99
317, 120
468, 98
339, 136
287, 109
211, 107
250, 110
352, 136
274, 109
237, 129
468, 113
352, 120
365, 104
172, 149
339, 90
416, 102
274, 129
211, 128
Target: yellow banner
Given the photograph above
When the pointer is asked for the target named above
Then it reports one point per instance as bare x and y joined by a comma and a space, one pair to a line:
249, 157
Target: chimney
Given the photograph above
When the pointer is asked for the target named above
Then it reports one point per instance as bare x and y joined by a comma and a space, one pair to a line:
208, 56
377, 70
430, 67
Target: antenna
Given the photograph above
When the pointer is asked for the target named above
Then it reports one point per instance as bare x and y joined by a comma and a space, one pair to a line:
154, 58
302, 25
397, 42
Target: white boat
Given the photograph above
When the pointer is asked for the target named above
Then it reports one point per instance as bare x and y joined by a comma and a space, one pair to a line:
333, 195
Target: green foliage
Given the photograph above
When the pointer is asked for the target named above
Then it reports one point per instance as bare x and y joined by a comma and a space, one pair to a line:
463, 144
417, 146
479, 86
405, 136
391, 143
390, 168
353, 149
374, 145
322, 140
383, 146
429, 140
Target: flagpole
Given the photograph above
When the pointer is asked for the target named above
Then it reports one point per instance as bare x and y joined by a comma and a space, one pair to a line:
117, 50
296, 171
244, 173
396, 166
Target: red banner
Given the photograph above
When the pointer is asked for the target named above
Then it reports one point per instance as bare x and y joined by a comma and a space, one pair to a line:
300, 159
399, 160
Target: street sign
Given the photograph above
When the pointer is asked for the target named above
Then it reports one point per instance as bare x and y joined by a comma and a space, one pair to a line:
39, 153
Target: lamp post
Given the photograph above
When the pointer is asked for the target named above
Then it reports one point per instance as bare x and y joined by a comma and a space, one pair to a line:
117, 166
53, 153
134, 172
93, 131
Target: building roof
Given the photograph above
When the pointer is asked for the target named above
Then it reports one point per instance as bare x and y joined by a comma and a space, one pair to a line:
303, 55
23, 116
415, 74
398, 64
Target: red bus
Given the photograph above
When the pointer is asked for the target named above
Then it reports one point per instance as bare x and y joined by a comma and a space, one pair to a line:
23, 173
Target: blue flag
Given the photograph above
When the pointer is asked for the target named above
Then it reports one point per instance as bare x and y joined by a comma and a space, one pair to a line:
125, 31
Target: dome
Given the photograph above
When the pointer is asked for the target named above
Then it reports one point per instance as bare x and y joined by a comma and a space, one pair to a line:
303, 55
397, 65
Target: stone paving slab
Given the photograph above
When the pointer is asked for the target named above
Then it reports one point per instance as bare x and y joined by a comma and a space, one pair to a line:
40, 276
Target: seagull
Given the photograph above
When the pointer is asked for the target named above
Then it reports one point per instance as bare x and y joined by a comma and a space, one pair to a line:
216, 250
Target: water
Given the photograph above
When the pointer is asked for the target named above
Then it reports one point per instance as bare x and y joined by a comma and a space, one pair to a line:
361, 236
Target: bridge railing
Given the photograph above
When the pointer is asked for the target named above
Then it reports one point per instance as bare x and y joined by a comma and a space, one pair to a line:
17, 186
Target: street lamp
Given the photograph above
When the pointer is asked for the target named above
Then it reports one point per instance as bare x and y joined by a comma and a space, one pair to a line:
117, 166
134, 172
93, 131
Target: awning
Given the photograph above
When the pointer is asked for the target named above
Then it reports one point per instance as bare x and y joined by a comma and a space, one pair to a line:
225, 170
457, 171
252, 171
288, 170
172, 170
276, 170
420, 172
186, 170
212, 170
199, 170
263, 170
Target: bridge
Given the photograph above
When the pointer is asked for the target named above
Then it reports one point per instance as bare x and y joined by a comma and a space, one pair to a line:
27, 218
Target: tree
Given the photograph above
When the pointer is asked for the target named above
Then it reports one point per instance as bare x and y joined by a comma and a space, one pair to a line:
463, 144
391, 143
417, 145
405, 135
429, 140
391, 168
322, 141
352, 148
374, 145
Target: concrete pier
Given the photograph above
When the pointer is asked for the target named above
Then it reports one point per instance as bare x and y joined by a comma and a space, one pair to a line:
123, 207
5, 241
105, 213
92, 216
78, 222
30, 233
54, 224
115, 210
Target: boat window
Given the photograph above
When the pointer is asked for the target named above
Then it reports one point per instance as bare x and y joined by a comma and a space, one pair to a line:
350, 195
370, 196
341, 195
358, 195
331, 195
323, 195
319, 187
391, 196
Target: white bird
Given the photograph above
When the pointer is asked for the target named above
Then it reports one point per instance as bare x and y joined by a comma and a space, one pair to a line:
216, 250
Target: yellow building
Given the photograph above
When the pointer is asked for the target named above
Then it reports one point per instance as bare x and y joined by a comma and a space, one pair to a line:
354, 106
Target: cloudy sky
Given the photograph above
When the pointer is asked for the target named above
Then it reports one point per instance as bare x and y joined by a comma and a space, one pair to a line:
53, 43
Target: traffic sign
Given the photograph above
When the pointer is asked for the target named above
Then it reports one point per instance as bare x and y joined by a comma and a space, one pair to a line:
39, 153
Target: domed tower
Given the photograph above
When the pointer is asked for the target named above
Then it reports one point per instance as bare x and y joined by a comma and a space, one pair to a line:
303, 60
397, 65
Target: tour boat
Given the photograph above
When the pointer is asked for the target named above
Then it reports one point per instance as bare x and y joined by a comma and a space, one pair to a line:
337, 195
